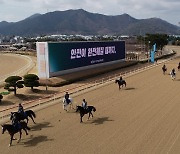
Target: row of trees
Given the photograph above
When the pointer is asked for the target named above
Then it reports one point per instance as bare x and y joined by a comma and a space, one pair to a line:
150, 39
16, 82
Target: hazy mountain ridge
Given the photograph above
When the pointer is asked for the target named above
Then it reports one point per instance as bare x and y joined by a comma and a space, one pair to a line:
86, 23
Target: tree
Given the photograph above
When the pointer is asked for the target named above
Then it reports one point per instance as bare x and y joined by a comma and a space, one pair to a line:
160, 39
13, 83
31, 80
1, 97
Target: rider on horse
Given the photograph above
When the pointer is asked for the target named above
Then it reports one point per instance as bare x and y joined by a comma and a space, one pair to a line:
173, 73
16, 123
21, 110
84, 104
67, 98
164, 67
120, 79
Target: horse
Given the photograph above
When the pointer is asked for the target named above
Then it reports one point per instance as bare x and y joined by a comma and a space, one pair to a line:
83, 111
173, 75
65, 104
164, 69
178, 67
121, 83
13, 130
19, 116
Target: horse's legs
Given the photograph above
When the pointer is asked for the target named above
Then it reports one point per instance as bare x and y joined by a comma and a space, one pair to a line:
20, 133
27, 120
81, 119
64, 107
71, 106
92, 114
11, 140
25, 131
81, 115
89, 115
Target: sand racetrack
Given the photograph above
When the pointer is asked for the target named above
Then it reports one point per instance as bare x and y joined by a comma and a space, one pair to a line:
142, 118
14, 62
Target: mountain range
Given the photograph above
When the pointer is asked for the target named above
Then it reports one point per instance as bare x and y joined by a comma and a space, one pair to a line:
85, 23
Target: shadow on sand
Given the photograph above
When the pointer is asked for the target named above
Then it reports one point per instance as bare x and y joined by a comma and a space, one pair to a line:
6, 103
34, 141
27, 97
130, 88
38, 127
101, 120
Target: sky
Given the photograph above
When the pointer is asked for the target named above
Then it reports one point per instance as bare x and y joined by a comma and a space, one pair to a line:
168, 10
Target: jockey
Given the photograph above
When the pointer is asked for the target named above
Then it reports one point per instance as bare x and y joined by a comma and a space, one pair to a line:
173, 72
121, 79
67, 98
84, 104
21, 109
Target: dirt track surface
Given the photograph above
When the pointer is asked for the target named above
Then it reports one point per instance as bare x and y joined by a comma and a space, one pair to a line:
13, 63
142, 118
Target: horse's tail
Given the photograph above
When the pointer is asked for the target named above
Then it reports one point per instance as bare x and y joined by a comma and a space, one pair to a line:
125, 83
94, 109
31, 112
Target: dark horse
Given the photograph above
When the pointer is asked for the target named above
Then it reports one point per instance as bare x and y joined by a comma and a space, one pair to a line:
121, 83
12, 130
19, 116
178, 67
164, 69
83, 111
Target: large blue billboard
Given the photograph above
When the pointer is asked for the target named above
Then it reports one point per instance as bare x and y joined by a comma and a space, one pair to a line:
70, 55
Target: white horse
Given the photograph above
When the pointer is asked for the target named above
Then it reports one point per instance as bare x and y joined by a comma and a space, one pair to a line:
173, 75
65, 104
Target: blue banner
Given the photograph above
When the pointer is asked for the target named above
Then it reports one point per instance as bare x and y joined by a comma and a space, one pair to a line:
153, 53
